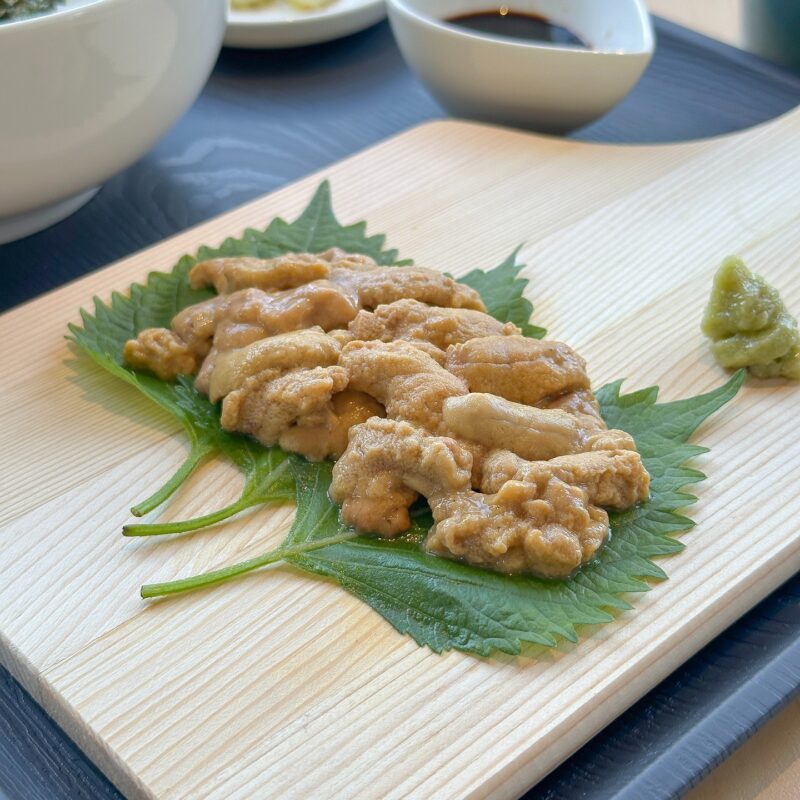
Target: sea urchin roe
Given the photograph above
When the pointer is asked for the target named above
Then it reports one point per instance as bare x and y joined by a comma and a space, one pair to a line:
423, 393
161, 352
749, 326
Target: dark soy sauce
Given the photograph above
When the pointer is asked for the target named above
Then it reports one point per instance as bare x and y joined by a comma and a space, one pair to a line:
515, 25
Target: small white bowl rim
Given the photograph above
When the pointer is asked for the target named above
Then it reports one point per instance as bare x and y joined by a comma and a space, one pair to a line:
647, 46
238, 16
48, 17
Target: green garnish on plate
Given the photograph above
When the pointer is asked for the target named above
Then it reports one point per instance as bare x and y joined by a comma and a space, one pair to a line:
20, 9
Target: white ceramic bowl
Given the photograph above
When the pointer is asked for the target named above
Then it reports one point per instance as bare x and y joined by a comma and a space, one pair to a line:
87, 90
551, 88
279, 25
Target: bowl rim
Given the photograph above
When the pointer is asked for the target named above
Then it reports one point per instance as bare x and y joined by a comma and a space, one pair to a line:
647, 46
47, 17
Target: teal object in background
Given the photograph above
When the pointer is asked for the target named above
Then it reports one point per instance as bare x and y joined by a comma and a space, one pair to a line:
772, 30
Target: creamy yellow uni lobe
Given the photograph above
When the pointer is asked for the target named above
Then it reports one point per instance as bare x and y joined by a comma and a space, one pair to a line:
749, 325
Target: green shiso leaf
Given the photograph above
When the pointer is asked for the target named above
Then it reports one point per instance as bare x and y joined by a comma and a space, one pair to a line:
267, 477
441, 604
103, 335
502, 292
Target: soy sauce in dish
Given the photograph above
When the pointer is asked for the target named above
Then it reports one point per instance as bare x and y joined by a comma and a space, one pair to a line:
516, 25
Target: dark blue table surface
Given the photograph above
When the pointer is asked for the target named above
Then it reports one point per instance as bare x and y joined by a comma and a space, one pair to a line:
265, 119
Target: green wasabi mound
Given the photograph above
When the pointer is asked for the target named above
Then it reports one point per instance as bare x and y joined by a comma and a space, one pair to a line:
749, 326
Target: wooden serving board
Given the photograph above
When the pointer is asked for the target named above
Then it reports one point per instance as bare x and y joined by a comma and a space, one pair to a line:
282, 685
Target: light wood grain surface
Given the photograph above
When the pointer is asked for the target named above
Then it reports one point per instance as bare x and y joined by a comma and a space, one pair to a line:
768, 766
282, 685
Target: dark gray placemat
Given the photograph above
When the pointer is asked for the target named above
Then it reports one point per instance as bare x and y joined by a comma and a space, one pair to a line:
267, 118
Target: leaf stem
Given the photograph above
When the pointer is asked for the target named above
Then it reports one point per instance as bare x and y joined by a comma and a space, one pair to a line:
186, 525
196, 455
226, 573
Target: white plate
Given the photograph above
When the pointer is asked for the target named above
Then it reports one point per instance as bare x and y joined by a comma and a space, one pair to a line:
279, 25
